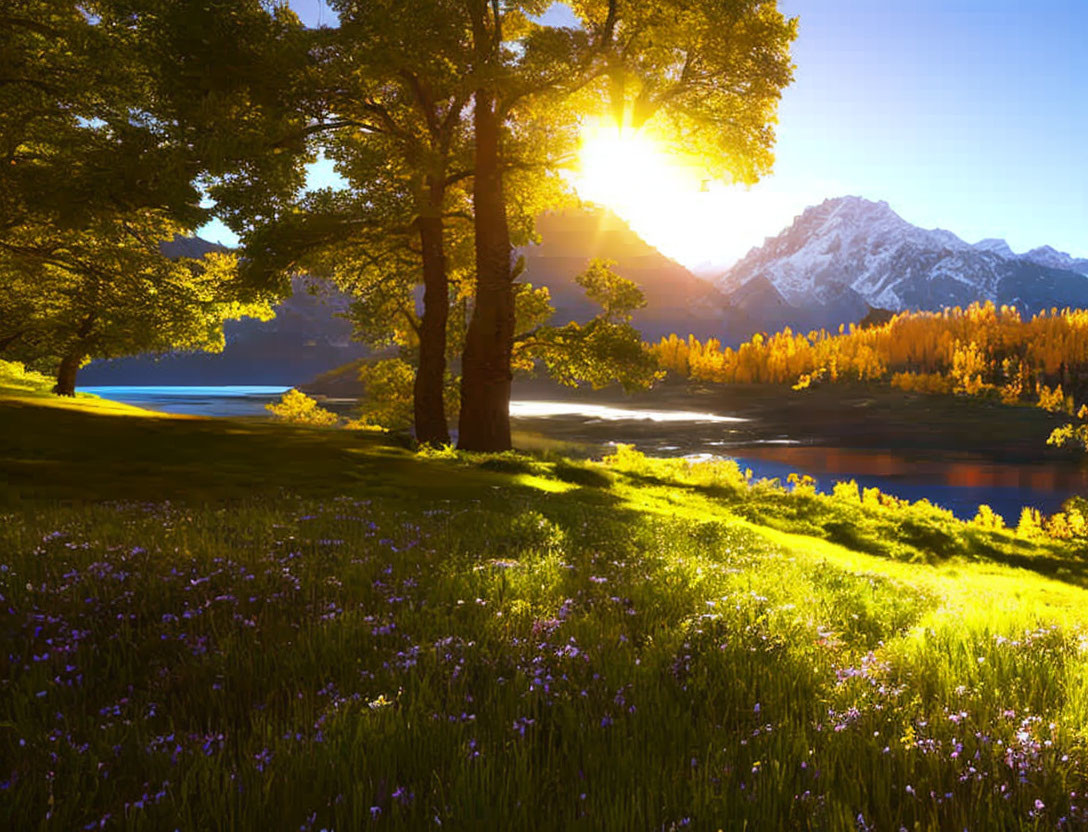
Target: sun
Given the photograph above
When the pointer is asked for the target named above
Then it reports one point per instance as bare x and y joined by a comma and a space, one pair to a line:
641, 179
630, 171
671, 200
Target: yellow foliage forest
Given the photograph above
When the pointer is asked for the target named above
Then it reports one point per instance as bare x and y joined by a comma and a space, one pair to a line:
982, 349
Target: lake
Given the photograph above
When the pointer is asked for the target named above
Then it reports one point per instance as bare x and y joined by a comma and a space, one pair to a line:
957, 481
229, 401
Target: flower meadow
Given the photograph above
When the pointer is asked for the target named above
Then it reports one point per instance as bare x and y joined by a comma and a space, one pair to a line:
522, 660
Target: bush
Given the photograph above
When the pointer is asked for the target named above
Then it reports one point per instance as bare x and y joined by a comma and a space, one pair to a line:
17, 376
299, 409
922, 383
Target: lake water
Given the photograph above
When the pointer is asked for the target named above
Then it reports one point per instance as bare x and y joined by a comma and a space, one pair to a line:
231, 401
958, 482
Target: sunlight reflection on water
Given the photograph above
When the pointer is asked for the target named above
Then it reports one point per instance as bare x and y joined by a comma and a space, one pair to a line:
529, 409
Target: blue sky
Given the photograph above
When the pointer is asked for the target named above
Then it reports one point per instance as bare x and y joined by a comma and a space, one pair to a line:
970, 115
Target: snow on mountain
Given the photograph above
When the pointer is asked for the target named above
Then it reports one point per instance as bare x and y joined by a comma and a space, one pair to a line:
846, 254
995, 246
1048, 256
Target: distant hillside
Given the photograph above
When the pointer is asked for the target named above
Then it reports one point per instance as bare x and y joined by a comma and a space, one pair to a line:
676, 300
846, 255
305, 338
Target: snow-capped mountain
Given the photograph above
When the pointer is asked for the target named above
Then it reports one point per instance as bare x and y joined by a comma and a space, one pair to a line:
1047, 256
848, 254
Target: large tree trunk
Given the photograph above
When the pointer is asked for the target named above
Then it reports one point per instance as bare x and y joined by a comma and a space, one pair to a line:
66, 374
485, 379
430, 411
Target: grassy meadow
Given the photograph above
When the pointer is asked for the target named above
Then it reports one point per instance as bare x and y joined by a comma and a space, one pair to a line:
211, 624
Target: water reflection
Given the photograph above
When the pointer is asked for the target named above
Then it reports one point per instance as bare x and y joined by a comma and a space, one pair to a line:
544, 409
961, 472
226, 400
957, 482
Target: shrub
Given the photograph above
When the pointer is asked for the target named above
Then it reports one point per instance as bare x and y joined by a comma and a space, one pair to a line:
388, 401
582, 475
16, 375
299, 409
922, 383
988, 519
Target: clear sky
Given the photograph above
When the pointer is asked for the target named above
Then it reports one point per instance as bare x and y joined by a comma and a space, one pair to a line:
970, 115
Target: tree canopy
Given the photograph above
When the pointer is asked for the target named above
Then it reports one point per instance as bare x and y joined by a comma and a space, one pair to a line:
706, 74
112, 114
125, 121
108, 290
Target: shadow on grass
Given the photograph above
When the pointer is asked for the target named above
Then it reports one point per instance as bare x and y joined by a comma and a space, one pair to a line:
52, 453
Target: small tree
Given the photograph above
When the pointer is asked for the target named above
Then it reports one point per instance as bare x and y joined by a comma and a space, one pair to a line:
111, 113
108, 291
604, 350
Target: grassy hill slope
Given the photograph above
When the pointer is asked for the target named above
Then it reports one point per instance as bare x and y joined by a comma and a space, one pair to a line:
211, 624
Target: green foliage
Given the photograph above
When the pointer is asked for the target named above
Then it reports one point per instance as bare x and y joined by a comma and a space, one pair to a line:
77, 136
988, 520
15, 377
387, 398
111, 115
108, 291
705, 75
586, 475
617, 296
458, 636
299, 409
444, 658
605, 350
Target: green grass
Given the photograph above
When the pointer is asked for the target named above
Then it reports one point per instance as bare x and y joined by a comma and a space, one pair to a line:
21, 386
221, 625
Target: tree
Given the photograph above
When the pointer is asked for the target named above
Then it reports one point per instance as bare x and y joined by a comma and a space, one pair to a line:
604, 350
76, 139
108, 291
110, 113
392, 117
707, 74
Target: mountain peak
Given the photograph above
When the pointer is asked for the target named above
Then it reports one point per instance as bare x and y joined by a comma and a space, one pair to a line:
1052, 258
849, 251
847, 208
995, 245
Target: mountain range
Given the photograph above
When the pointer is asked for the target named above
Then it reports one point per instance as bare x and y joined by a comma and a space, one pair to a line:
848, 254
676, 300
309, 335
835, 263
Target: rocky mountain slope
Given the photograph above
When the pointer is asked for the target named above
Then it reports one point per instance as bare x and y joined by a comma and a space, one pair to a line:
845, 255
676, 300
